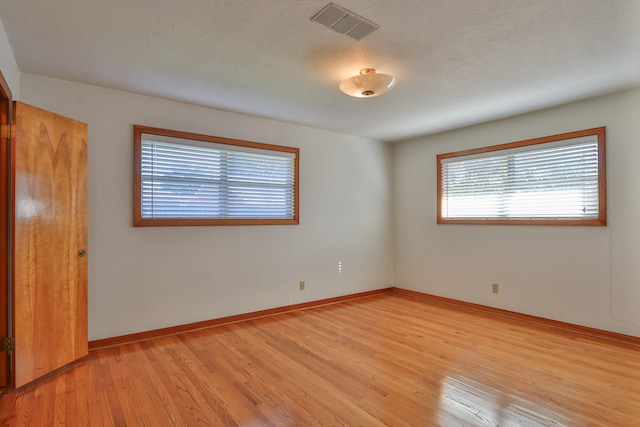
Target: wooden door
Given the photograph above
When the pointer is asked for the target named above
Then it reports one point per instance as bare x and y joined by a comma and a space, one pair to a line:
50, 233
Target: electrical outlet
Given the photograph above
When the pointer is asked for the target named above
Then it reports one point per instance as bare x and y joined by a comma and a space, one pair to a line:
495, 288
302, 286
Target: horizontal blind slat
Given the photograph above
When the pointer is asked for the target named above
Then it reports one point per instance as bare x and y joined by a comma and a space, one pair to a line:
183, 181
561, 181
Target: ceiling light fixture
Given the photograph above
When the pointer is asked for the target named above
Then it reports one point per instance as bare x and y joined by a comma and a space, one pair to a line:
367, 84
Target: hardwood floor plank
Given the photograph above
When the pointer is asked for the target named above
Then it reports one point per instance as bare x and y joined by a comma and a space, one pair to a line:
384, 360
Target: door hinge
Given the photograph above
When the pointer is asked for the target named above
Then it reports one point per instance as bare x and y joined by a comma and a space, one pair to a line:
7, 131
8, 344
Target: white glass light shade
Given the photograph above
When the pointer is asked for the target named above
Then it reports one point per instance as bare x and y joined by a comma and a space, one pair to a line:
367, 84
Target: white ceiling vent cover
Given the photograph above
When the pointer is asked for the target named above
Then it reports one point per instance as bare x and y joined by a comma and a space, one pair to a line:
345, 22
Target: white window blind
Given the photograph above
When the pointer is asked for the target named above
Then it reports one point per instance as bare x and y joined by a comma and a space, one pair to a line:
185, 179
554, 180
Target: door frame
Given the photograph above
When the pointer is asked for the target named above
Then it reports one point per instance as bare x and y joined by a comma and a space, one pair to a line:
6, 240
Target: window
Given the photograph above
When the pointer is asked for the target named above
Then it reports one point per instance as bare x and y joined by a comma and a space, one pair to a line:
554, 180
188, 179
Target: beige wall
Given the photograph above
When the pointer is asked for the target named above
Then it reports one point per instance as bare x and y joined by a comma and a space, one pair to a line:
146, 278
584, 275
8, 65
154, 277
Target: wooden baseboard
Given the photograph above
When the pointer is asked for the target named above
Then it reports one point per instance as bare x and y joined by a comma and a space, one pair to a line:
141, 336
569, 328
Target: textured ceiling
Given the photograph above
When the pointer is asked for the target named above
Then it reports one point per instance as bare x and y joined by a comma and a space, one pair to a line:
457, 62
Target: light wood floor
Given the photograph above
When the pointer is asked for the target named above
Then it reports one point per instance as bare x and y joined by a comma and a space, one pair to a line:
384, 360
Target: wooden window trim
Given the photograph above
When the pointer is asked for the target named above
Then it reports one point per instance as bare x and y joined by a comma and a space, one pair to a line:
139, 221
600, 132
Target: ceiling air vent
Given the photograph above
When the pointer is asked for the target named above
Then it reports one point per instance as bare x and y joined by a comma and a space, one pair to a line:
345, 22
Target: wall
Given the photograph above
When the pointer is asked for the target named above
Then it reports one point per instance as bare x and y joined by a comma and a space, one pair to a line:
146, 278
583, 275
8, 65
